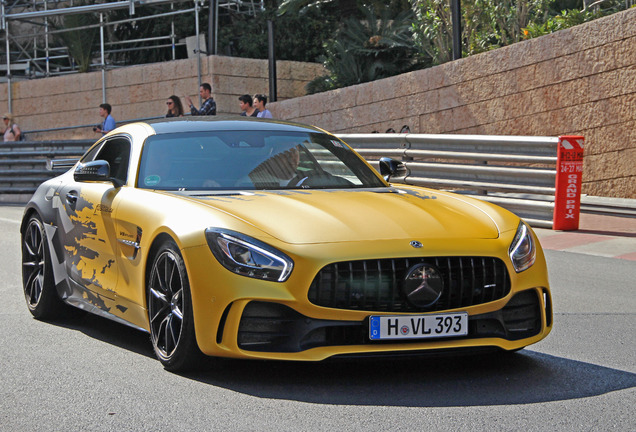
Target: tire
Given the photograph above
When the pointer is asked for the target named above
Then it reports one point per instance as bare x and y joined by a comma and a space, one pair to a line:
37, 274
170, 311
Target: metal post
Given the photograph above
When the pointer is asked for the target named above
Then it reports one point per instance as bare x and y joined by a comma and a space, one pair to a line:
272, 61
213, 22
101, 42
35, 42
216, 26
196, 17
9, 93
46, 42
172, 35
456, 18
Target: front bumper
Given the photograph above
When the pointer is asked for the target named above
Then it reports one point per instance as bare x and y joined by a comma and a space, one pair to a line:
272, 327
241, 317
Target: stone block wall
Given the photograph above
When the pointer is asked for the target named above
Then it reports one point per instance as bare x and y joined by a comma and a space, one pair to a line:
579, 81
141, 92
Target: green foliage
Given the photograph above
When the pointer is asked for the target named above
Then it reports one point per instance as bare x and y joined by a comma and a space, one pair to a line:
81, 44
355, 43
296, 37
346, 7
369, 49
486, 24
137, 30
341, 8
571, 17
567, 19
432, 29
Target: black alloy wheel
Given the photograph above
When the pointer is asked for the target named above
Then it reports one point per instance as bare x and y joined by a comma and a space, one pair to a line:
170, 311
37, 273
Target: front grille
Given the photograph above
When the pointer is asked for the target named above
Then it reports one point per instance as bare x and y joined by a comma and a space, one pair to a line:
376, 285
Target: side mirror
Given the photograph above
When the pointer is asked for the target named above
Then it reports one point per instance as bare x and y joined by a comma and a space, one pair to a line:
392, 168
98, 170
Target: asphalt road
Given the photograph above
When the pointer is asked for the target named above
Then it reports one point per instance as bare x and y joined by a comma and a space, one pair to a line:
91, 374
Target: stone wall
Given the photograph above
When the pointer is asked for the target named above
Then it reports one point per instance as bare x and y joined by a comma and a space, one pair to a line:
578, 81
141, 91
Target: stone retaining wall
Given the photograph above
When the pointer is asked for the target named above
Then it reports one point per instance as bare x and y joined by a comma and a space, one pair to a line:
141, 91
578, 81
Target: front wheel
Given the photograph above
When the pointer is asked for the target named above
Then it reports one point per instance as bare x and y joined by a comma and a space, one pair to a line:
37, 273
170, 311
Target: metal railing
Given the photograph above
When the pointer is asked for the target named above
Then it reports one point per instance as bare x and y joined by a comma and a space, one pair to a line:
515, 172
23, 164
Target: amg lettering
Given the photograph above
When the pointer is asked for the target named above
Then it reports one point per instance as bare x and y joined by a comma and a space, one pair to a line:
102, 208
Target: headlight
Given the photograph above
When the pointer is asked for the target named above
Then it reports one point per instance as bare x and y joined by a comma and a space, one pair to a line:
247, 256
522, 250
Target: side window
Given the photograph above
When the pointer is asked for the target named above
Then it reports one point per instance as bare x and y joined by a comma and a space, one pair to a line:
90, 155
117, 153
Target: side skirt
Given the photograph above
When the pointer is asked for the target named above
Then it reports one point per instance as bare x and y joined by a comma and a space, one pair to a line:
81, 297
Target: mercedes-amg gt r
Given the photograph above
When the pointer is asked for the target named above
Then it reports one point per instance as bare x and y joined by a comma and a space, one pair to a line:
244, 238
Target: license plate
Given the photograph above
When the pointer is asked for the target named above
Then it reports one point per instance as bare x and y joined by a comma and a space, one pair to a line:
386, 327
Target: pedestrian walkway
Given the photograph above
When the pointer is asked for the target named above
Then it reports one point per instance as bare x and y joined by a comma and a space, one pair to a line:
607, 236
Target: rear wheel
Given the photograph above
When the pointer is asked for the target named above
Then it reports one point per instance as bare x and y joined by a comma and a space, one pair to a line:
170, 311
37, 273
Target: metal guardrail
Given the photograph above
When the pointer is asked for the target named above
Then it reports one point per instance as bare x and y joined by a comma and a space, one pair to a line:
515, 172
23, 165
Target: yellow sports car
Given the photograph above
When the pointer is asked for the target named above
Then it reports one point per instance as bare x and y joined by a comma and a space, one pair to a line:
247, 238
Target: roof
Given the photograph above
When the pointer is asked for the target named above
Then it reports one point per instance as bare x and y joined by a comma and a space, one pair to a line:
218, 123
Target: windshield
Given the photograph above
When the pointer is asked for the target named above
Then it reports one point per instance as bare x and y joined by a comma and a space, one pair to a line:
251, 160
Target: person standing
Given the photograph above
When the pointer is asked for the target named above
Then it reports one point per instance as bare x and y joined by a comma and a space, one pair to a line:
11, 132
208, 107
259, 102
245, 103
175, 108
109, 122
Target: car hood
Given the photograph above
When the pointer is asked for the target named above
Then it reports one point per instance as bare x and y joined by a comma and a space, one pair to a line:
322, 216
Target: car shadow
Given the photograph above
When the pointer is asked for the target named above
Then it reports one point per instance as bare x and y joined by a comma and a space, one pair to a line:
415, 381
497, 379
107, 331
521, 378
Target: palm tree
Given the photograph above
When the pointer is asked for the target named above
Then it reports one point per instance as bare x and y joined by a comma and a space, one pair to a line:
370, 49
80, 43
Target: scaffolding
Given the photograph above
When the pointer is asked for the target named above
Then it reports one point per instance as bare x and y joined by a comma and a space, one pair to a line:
28, 31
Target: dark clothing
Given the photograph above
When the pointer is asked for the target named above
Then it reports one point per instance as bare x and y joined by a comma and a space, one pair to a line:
254, 114
208, 108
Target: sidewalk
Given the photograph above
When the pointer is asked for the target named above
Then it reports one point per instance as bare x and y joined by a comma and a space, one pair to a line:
606, 236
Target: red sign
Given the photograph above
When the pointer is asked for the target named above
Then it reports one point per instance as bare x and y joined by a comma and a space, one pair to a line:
567, 199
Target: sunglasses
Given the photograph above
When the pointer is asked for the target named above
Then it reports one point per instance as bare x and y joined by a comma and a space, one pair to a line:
169, 103
5, 118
